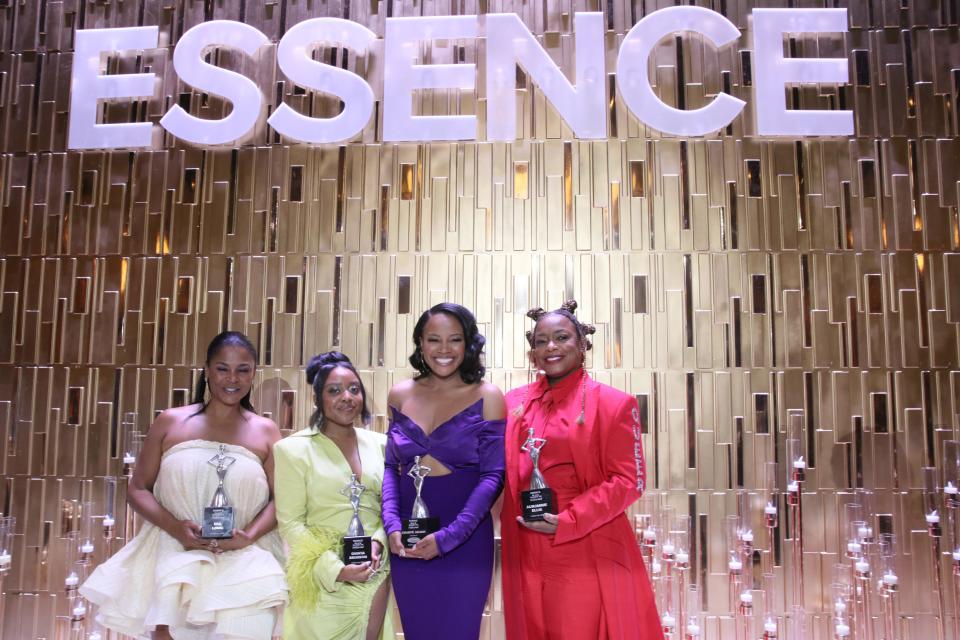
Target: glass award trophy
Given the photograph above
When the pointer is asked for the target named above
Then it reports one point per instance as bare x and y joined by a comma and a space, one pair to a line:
357, 546
419, 524
539, 499
218, 518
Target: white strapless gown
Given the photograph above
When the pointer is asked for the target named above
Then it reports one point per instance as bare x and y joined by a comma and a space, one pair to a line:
153, 581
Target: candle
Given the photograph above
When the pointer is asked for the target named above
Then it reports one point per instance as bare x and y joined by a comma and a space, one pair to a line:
799, 463
933, 517
950, 489
683, 557
890, 579
770, 509
746, 597
649, 536
108, 521
956, 556
693, 629
668, 548
94, 635
865, 532
86, 547
746, 536
770, 626
793, 487
862, 566
80, 610
854, 547
71, 580
839, 606
735, 565
668, 620
129, 458
655, 567
843, 630
4, 559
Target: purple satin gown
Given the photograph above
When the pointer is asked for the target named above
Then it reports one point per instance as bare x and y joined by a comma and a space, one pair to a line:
443, 598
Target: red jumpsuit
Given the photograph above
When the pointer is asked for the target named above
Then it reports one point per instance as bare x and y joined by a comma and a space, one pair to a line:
587, 580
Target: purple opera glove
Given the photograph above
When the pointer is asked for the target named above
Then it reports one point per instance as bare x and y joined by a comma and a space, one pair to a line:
491, 466
390, 491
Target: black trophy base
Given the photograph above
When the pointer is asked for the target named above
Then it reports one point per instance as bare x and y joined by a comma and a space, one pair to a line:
413, 530
217, 522
536, 502
357, 549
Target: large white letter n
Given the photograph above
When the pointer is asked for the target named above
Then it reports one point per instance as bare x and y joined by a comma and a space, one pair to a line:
582, 106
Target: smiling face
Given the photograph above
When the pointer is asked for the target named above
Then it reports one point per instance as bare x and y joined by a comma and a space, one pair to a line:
342, 397
230, 374
557, 349
443, 345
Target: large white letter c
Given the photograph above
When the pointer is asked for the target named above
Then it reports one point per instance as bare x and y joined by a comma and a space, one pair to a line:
633, 80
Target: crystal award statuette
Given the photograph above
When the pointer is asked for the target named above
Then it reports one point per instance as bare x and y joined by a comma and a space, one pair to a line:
540, 498
419, 524
357, 547
218, 517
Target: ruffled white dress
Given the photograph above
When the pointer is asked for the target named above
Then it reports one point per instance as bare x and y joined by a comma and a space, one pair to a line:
153, 581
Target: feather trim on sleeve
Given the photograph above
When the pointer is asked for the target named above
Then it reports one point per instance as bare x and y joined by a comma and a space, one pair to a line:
304, 590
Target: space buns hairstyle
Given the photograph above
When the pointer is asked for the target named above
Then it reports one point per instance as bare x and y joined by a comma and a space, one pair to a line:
566, 310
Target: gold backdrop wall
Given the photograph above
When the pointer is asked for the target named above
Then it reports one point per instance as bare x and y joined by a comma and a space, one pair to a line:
732, 280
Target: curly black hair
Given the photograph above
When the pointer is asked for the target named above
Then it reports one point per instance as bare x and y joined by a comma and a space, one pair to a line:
471, 369
221, 340
566, 310
318, 370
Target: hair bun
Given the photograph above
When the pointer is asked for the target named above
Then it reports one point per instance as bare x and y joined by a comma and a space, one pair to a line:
317, 362
569, 305
536, 314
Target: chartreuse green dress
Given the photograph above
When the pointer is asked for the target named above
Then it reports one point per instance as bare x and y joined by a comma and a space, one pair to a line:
313, 516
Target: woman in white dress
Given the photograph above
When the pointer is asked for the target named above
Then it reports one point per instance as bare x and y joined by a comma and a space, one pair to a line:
169, 581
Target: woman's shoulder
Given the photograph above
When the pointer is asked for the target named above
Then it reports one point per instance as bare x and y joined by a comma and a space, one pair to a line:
262, 424
296, 441
176, 415
400, 392
488, 390
372, 437
611, 396
603, 387
494, 405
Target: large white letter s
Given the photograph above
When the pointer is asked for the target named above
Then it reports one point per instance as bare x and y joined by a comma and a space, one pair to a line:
293, 57
243, 94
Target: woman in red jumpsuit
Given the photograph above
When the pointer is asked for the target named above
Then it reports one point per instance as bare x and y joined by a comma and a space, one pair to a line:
578, 574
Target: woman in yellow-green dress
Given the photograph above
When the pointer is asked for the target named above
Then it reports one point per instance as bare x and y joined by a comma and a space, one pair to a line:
331, 600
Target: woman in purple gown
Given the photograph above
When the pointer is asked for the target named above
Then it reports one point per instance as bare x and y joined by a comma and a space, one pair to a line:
453, 421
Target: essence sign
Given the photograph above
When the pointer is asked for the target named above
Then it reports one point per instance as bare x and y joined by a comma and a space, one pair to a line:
581, 103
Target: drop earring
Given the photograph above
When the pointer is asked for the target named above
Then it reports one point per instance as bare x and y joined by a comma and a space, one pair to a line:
583, 388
